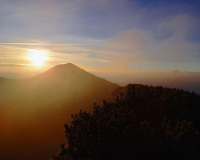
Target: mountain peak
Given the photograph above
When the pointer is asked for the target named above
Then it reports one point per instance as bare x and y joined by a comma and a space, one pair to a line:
69, 73
62, 71
47, 101
64, 68
64, 65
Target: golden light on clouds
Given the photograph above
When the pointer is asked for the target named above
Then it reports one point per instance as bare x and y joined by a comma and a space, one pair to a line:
37, 56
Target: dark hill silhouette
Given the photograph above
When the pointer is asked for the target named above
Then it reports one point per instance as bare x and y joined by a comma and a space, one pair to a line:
141, 122
33, 111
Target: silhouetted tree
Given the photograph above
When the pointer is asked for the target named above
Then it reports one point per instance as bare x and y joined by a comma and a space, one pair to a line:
142, 123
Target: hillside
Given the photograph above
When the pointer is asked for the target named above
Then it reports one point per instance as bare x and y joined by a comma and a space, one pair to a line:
33, 111
142, 122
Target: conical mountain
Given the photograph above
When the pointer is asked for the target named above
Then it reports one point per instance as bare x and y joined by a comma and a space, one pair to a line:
33, 111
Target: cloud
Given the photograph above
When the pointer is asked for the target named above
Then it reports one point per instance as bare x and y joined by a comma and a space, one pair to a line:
21, 65
141, 46
125, 67
178, 25
15, 53
36, 19
125, 47
52, 19
136, 34
12, 52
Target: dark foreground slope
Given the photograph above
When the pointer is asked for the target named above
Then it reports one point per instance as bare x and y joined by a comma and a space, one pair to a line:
33, 111
141, 123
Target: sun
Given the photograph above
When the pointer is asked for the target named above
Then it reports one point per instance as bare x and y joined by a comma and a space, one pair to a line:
37, 56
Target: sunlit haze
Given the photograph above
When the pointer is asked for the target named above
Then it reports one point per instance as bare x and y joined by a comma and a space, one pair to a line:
58, 57
111, 39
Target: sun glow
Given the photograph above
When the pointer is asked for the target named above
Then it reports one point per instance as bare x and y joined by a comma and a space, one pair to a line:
37, 56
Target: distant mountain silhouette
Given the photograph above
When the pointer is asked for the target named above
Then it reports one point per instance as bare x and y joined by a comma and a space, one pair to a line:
33, 111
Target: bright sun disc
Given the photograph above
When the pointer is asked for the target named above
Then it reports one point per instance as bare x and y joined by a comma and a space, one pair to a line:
37, 56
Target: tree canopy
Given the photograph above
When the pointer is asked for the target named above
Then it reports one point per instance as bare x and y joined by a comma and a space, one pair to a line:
143, 122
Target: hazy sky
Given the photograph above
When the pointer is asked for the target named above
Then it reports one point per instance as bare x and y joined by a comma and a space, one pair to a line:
104, 36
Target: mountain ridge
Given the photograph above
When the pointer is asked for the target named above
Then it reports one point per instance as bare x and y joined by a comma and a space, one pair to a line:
33, 111
64, 70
